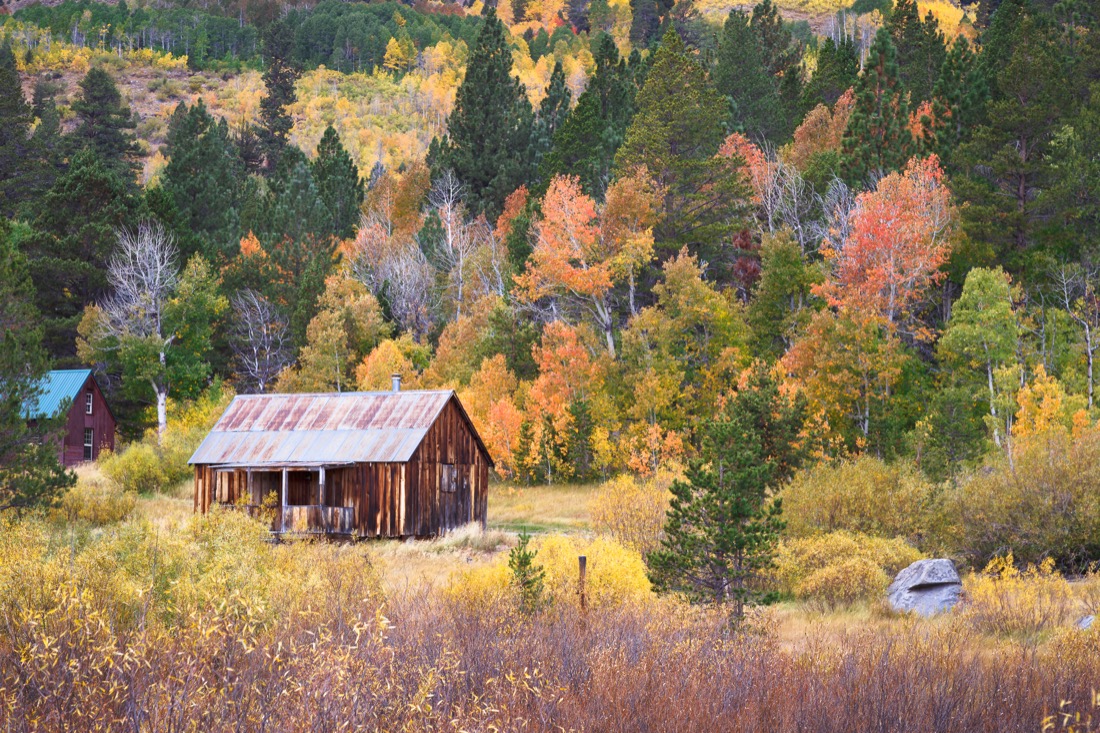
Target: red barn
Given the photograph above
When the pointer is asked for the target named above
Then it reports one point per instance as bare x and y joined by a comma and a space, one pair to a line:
90, 426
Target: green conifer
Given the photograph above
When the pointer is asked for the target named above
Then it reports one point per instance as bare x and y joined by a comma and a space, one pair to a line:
338, 183
741, 75
280, 75
920, 49
676, 132
105, 124
14, 133
877, 139
488, 144
958, 100
723, 523
552, 113
75, 233
837, 71
586, 141
203, 178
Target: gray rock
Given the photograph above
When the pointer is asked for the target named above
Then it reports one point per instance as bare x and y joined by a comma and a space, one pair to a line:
926, 587
1085, 622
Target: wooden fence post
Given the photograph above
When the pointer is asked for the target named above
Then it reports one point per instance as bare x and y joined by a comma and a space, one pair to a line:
582, 563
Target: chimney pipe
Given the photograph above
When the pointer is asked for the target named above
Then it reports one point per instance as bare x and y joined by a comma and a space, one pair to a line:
396, 382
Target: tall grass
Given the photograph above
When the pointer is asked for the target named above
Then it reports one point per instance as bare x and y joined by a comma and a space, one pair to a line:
209, 627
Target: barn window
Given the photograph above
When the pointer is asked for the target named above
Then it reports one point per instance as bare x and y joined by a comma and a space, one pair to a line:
88, 403
89, 444
450, 478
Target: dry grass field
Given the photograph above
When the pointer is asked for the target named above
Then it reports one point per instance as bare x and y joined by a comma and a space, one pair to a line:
166, 621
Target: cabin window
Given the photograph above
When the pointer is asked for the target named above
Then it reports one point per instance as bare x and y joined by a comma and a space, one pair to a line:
88, 403
449, 480
89, 444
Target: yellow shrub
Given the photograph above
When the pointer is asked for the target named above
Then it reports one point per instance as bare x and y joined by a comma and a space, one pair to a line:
97, 502
632, 511
148, 465
840, 568
1043, 505
1003, 599
136, 468
864, 495
481, 587
615, 575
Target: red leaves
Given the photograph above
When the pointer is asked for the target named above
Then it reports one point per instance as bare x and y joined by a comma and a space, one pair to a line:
899, 239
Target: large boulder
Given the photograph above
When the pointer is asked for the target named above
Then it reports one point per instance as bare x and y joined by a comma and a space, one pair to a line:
926, 587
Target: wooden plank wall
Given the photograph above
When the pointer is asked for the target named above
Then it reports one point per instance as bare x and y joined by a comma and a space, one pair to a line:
386, 499
450, 441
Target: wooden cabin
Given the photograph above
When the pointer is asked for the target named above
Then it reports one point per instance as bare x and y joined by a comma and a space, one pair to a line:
355, 464
89, 423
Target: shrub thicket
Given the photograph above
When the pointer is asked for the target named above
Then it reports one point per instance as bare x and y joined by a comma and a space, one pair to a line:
840, 568
863, 495
206, 625
1042, 504
147, 465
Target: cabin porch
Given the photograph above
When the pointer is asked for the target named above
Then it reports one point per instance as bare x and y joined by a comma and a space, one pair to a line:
305, 499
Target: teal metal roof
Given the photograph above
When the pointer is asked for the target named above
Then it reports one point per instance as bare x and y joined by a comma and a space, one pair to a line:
57, 386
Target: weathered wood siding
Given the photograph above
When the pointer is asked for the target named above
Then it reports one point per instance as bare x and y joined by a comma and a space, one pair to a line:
449, 442
101, 422
444, 486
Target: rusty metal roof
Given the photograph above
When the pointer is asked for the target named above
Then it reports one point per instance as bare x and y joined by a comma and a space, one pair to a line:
322, 429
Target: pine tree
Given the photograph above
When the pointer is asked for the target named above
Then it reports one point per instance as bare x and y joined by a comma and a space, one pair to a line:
14, 134
577, 14
30, 475
782, 59
877, 140
645, 22
723, 523
280, 75
105, 124
676, 132
920, 49
488, 144
741, 75
203, 178
294, 226
585, 143
958, 100
553, 110
338, 183
73, 240
837, 71
527, 575
47, 158
293, 209
1004, 166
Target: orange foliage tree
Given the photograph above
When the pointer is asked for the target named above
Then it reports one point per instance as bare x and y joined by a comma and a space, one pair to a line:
582, 252
848, 364
568, 375
899, 237
821, 131
490, 400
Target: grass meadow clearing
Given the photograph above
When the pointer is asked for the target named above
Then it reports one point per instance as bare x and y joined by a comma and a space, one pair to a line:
164, 621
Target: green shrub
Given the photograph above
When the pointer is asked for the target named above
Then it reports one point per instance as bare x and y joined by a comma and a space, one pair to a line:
840, 568
865, 495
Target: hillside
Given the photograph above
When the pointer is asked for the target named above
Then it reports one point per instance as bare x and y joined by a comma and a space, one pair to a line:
754, 310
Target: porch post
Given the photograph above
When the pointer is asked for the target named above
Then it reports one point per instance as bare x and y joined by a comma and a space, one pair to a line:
250, 493
282, 512
321, 498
